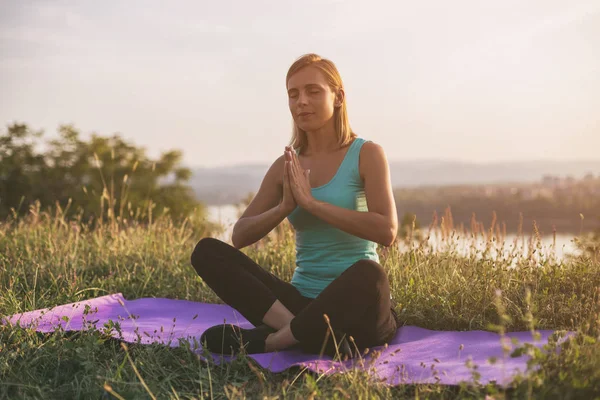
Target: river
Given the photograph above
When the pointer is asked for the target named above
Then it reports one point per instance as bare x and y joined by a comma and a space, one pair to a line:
227, 216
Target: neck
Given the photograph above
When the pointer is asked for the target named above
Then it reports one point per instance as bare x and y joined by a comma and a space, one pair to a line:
323, 140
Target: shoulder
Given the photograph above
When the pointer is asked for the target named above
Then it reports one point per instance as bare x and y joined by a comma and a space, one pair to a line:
372, 158
275, 172
370, 148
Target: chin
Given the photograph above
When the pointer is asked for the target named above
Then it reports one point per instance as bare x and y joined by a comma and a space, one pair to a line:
306, 127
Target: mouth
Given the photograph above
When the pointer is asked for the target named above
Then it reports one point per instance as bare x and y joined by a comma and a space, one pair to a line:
304, 114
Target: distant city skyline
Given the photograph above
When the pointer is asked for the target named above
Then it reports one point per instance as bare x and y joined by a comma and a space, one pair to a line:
464, 81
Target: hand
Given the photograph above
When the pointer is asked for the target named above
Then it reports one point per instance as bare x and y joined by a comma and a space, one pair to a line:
298, 180
288, 204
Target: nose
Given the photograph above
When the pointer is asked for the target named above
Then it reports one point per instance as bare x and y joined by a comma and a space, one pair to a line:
302, 98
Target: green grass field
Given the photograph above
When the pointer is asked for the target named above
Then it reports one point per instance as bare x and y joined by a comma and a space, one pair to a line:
46, 261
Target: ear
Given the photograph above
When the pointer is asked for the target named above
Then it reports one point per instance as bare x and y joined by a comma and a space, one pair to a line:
339, 97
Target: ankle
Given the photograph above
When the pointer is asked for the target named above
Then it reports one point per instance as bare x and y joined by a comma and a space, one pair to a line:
269, 343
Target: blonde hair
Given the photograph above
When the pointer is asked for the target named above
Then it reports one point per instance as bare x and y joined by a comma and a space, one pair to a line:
340, 114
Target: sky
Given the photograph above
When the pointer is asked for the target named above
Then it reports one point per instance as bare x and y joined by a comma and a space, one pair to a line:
476, 81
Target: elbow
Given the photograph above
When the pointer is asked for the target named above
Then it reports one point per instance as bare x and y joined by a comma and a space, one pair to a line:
234, 238
234, 242
390, 237
389, 240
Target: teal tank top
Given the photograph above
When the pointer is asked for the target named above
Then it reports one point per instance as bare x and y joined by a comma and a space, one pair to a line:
323, 252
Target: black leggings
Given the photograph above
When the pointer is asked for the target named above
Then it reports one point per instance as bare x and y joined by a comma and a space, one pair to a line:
357, 302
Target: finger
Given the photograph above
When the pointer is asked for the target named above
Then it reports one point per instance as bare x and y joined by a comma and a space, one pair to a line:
295, 157
290, 162
290, 171
299, 167
294, 175
296, 162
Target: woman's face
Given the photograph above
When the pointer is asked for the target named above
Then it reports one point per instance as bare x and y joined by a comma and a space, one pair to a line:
311, 100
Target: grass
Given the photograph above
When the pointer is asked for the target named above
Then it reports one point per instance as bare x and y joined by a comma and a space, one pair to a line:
46, 260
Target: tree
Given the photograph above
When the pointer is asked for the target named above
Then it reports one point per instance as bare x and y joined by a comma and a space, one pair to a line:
20, 167
106, 176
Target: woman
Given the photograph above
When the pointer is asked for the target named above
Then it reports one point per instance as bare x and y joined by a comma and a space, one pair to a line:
323, 188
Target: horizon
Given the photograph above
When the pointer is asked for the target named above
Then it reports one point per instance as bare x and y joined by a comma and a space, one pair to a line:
465, 82
422, 160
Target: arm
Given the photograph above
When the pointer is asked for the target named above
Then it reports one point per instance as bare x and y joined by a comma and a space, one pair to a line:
380, 223
264, 212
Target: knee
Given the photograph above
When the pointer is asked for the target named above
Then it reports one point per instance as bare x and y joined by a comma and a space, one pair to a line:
370, 271
202, 253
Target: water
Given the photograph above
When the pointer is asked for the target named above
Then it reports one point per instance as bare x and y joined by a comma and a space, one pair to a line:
227, 216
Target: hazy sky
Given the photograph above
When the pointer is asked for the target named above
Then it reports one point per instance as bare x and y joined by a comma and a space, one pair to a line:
464, 80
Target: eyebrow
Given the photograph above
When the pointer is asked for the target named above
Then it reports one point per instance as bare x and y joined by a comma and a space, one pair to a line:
308, 85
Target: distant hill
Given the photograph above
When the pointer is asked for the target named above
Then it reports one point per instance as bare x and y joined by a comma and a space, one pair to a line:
230, 184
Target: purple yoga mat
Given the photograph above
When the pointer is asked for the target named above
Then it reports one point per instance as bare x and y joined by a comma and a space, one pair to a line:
415, 355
